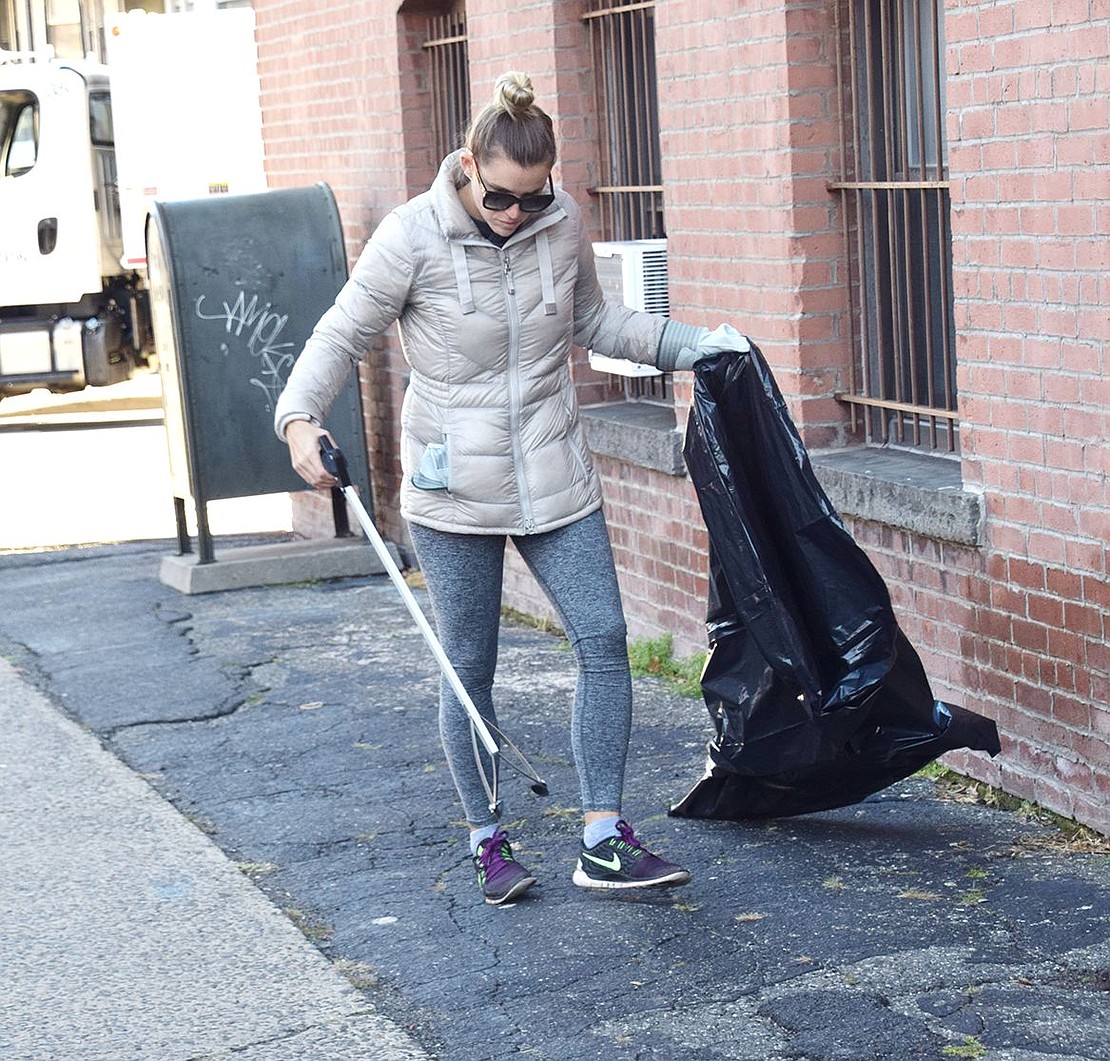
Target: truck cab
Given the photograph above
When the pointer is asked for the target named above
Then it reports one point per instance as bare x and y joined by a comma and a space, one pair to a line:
70, 314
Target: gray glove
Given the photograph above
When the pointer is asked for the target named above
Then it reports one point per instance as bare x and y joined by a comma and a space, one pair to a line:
683, 345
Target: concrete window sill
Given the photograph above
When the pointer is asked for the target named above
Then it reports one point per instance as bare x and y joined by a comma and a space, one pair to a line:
915, 492
912, 491
638, 433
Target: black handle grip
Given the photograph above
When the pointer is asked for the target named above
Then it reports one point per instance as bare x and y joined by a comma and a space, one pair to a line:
331, 456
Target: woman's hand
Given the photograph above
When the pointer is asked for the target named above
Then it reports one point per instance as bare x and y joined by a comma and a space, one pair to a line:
303, 439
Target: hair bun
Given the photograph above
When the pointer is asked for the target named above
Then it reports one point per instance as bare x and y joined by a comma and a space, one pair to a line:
514, 93
512, 125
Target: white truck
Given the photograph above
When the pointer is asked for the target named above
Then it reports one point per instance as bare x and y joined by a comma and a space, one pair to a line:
70, 314
74, 306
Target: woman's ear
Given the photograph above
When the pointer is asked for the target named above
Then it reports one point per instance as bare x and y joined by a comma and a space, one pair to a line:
466, 160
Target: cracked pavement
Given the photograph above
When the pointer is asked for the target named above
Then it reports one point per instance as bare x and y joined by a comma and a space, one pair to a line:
296, 726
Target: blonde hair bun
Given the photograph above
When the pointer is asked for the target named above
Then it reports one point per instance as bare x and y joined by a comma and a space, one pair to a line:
513, 125
513, 93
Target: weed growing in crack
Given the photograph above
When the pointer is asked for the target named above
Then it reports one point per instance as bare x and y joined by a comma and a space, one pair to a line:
359, 974
256, 869
971, 1047
654, 657
310, 927
1067, 836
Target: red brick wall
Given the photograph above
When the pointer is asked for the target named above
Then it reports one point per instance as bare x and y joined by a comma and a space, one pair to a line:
1015, 628
332, 78
750, 141
1030, 163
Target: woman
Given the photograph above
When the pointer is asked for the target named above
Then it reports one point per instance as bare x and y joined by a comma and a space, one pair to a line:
490, 275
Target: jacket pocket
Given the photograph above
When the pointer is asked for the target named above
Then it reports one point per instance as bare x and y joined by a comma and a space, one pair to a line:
434, 470
576, 442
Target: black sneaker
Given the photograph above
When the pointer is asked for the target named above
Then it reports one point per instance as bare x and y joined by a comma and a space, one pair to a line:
500, 876
623, 862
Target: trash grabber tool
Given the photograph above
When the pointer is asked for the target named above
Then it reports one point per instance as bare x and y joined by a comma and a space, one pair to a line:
334, 461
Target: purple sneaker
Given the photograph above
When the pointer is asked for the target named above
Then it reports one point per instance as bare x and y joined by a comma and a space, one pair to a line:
623, 862
500, 876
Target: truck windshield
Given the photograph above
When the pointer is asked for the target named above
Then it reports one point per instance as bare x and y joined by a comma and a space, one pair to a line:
19, 133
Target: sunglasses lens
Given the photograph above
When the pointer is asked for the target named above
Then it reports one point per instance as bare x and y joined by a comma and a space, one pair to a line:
533, 204
498, 201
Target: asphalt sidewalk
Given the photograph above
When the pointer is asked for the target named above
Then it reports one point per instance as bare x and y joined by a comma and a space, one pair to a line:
228, 831
126, 933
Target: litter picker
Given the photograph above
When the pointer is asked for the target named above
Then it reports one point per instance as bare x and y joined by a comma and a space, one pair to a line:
481, 729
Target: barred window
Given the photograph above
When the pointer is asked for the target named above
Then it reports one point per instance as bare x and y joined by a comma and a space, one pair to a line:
897, 222
449, 78
630, 187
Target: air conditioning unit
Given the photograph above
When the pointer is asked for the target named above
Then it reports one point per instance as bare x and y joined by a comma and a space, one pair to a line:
633, 272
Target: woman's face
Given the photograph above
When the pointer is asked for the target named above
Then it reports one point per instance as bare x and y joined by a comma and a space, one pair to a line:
498, 174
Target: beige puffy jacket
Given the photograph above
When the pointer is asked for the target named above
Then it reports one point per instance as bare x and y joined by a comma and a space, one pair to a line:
490, 435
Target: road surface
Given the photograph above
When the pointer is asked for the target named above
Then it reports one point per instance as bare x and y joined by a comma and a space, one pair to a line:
93, 467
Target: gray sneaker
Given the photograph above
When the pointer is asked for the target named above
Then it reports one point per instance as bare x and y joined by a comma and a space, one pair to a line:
623, 862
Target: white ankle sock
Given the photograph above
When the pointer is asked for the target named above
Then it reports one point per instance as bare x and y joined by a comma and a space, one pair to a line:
477, 836
600, 830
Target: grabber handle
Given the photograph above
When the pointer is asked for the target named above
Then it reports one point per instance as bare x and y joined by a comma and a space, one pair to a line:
331, 456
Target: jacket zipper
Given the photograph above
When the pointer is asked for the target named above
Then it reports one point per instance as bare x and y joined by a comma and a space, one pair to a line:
514, 397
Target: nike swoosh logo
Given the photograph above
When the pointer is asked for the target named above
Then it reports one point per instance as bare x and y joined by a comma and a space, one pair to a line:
612, 863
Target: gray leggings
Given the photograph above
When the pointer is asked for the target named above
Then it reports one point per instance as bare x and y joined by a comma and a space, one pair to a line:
574, 567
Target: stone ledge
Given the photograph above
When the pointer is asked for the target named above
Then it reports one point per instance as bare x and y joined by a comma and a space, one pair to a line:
916, 492
639, 433
912, 491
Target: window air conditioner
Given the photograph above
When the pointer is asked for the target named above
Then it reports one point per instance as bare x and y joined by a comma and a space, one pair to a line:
633, 272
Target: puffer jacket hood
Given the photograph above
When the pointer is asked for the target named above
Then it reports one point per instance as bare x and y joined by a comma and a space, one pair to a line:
490, 435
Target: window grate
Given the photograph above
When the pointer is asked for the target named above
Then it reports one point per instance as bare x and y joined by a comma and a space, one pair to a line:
896, 213
630, 190
449, 79
630, 187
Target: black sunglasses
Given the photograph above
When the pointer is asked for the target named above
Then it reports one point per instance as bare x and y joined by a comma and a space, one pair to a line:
529, 204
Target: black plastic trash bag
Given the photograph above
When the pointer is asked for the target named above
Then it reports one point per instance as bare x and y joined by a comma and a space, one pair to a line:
817, 697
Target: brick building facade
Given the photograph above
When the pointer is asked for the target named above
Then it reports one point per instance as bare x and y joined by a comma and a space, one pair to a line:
993, 539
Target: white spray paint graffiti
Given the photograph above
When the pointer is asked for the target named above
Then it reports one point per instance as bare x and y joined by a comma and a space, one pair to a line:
263, 326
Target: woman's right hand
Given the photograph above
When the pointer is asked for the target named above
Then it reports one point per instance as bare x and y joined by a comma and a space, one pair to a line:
303, 439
